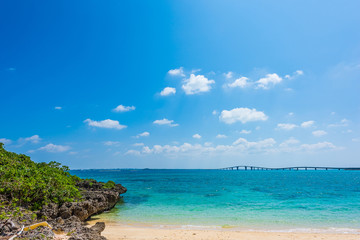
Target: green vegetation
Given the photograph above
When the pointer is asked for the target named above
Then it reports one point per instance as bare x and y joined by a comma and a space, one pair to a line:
109, 184
34, 185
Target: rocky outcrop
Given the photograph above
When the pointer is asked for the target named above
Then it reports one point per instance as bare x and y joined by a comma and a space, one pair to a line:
96, 199
77, 230
69, 217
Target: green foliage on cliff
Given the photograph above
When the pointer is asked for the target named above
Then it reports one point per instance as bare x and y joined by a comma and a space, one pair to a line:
109, 184
33, 185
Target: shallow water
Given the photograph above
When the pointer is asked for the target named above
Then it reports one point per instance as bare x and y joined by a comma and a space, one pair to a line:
266, 200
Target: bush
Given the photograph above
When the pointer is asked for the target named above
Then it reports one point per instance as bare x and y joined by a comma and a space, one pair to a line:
34, 185
109, 184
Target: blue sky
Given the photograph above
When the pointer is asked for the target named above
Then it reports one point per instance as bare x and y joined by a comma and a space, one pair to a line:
181, 84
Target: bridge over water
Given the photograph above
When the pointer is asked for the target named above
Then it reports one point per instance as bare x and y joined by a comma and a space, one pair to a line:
255, 168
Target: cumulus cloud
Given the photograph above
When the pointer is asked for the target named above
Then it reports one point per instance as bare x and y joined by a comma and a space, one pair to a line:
168, 91
57, 108
144, 134
107, 123
228, 75
242, 115
240, 82
111, 143
289, 142
138, 144
240, 146
319, 133
286, 126
221, 136
295, 74
307, 124
133, 152
245, 131
266, 142
343, 123
54, 148
197, 84
269, 80
166, 122
319, 146
197, 136
122, 108
177, 72
5, 141
33, 139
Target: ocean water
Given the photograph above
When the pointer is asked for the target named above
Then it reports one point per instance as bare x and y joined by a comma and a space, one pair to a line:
249, 200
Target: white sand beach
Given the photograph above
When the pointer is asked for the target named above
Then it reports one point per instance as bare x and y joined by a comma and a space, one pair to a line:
118, 231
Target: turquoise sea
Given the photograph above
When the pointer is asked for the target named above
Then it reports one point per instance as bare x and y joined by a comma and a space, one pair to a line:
249, 200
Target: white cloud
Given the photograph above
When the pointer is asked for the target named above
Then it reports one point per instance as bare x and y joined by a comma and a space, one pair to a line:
214, 112
221, 136
144, 134
291, 114
354, 140
295, 74
54, 148
240, 82
197, 136
243, 115
319, 133
197, 84
245, 131
245, 144
146, 149
240, 146
228, 75
5, 141
270, 80
168, 91
199, 69
319, 146
33, 139
343, 123
122, 108
133, 152
286, 126
138, 144
107, 123
299, 72
167, 122
57, 108
177, 72
289, 142
307, 124
111, 143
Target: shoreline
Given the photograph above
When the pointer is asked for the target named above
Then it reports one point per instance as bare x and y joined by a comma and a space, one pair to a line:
118, 230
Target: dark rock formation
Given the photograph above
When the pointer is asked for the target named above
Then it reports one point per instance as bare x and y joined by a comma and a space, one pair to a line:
96, 199
69, 218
